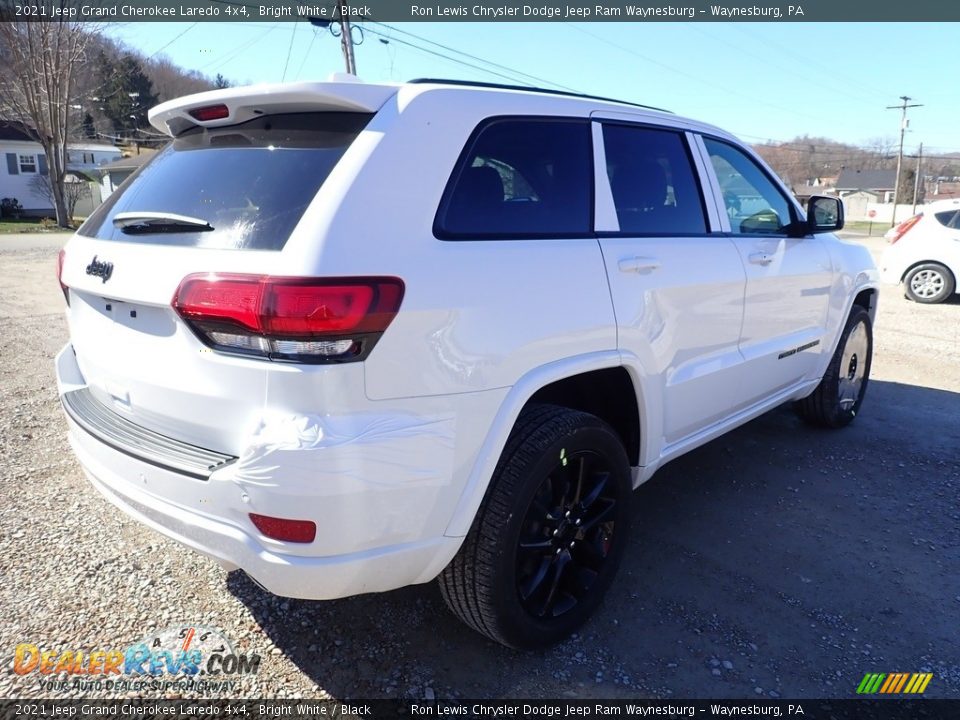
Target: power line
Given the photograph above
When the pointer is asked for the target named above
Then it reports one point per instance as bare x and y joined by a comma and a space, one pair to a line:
293, 36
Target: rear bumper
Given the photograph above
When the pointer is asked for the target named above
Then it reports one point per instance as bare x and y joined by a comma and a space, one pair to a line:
372, 534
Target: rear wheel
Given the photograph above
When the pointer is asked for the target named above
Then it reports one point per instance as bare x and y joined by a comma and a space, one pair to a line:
838, 397
929, 283
549, 535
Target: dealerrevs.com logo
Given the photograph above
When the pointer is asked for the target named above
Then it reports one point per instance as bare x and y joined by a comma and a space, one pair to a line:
184, 657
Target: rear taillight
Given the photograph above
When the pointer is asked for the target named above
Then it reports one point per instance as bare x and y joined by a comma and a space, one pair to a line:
210, 112
302, 531
905, 226
61, 258
295, 319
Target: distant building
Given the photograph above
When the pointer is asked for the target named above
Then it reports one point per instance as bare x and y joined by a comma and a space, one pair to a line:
879, 183
23, 159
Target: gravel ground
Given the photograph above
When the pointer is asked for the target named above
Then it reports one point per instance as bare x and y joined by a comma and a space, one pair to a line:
778, 561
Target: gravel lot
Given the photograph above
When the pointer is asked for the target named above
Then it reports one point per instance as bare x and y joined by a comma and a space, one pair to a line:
778, 561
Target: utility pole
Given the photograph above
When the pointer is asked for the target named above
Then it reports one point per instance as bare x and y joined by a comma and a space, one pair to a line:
916, 179
346, 38
903, 128
346, 35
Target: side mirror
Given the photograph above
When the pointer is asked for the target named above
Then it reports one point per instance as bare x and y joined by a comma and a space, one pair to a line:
824, 214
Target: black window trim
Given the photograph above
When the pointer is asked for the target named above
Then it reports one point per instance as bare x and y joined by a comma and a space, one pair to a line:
461, 164
698, 180
795, 219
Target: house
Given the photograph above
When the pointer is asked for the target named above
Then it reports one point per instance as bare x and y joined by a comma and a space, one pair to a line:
114, 173
880, 183
22, 160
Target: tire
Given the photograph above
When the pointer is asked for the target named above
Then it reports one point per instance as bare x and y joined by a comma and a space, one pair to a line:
549, 534
837, 399
929, 283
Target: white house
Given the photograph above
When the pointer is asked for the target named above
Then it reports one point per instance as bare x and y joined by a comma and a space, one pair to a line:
22, 159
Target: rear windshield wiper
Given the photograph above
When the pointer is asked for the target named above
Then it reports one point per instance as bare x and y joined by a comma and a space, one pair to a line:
142, 223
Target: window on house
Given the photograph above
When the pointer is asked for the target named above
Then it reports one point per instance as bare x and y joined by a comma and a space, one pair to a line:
28, 163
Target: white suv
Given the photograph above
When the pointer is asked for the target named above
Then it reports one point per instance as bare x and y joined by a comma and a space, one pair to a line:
350, 337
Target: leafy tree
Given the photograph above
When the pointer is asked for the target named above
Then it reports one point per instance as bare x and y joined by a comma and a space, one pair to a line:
127, 92
89, 127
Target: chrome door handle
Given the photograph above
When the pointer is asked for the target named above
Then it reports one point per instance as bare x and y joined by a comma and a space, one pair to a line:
640, 265
761, 258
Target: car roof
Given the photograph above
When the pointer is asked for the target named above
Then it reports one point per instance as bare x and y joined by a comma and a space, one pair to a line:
346, 93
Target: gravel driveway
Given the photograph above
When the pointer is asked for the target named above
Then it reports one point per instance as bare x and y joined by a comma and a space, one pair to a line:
778, 561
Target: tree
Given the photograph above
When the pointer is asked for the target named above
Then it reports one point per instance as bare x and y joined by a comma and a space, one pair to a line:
75, 189
127, 93
221, 82
37, 87
89, 128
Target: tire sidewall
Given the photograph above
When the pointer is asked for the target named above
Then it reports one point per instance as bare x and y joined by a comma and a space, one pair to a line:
843, 416
522, 629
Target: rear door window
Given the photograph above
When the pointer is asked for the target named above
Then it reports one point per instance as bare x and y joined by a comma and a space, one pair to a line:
249, 182
521, 178
655, 190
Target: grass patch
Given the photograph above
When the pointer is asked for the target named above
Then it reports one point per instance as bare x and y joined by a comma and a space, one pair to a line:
9, 226
873, 229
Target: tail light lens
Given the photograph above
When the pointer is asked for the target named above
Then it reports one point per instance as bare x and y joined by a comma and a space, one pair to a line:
903, 227
61, 258
210, 112
302, 531
316, 320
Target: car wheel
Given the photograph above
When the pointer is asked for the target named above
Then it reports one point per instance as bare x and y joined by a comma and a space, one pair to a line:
549, 535
929, 283
838, 397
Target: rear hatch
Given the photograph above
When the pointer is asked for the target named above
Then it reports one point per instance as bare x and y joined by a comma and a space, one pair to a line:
220, 198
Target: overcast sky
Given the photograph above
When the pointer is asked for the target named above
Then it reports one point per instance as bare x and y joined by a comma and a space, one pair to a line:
759, 80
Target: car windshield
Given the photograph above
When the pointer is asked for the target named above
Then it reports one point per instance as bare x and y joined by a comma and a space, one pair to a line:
250, 183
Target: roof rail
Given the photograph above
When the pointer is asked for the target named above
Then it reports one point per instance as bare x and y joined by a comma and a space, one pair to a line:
530, 88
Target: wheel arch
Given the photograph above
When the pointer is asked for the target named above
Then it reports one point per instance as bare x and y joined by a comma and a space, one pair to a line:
562, 382
941, 263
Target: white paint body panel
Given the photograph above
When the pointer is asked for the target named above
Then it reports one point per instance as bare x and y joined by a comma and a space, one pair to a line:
391, 457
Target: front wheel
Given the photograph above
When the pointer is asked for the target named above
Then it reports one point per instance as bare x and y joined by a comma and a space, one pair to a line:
929, 283
838, 397
549, 535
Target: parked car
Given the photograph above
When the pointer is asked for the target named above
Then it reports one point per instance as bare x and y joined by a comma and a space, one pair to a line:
350, 337
924, 253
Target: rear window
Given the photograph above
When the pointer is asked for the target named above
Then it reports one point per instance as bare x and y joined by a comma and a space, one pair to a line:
521, 178
949, 218
250, 182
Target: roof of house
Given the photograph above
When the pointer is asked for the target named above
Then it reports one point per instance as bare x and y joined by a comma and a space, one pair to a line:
13, 130
128, 163
867, 180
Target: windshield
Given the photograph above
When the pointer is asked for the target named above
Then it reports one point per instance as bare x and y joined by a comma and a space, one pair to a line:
251, 182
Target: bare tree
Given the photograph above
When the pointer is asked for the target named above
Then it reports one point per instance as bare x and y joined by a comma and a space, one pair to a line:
41, 61
75, 189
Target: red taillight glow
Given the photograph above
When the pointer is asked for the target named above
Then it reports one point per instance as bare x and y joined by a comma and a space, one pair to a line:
61, 258
903, 227
301, 531
210, 112
304, 319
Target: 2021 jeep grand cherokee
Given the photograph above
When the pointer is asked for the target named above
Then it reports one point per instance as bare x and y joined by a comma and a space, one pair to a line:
351, 337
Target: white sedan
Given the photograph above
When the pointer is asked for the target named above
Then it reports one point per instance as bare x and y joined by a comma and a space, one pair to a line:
924, 253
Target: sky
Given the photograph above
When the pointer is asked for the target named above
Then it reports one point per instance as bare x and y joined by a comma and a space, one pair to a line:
761, 81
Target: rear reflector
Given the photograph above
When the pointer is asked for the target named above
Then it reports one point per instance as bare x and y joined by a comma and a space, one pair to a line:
301, 531
211, 112
61, 258
298, 319
905, 226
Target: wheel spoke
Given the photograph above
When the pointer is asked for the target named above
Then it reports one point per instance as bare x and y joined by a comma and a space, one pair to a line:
534, 582
559, 565
602, 478
600, 517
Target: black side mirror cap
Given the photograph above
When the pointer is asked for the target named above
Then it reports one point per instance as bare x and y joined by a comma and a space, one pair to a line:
824, 214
